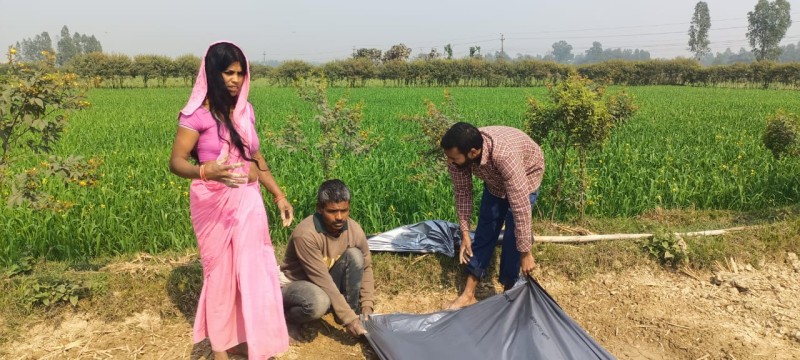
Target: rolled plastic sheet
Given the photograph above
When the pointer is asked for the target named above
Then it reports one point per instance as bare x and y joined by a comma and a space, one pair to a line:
521, 323
431, 236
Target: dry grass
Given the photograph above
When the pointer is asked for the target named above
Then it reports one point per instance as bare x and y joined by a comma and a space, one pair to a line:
129, 284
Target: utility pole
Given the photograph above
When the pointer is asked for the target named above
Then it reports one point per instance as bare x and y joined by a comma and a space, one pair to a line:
502, 40
265, 58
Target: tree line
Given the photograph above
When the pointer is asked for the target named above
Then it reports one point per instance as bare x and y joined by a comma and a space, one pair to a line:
118, 70
767, 62
68, 46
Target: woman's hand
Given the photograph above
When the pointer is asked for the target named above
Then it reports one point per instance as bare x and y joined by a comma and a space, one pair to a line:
220, 172
286, 210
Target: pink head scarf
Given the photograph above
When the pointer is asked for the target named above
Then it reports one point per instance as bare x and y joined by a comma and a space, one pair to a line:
241, 112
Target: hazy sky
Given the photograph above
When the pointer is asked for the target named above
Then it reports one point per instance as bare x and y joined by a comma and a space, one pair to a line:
325, 30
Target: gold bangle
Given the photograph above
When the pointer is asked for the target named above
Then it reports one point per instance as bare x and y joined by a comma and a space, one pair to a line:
279, 198
203, 172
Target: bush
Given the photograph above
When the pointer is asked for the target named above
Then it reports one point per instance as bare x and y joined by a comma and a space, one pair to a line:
781, 136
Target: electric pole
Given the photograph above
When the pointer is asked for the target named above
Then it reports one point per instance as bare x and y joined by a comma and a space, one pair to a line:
502, 40
265, 58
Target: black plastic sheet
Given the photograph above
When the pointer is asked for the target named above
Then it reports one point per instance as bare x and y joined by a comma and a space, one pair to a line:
431, 236
521, 323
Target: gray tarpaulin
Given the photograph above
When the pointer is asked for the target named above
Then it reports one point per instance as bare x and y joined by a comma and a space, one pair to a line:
521, 323
425, 237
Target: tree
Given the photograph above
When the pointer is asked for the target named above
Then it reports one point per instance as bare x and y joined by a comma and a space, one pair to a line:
76, 39
34, 49
768, 23
502, 56
594, 54
475, 52
90, 44
148, 67
340, 128
118, 68
698, 31
562, 51
580, 117
448, 50
290, 71
782, 135
373, 55
186, 67
34, 108
358, 70
431, 164
66, 47
397, 52
434, 54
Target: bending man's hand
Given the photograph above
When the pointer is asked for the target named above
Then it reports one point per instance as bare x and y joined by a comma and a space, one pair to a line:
527, 263
366, 311
465, 253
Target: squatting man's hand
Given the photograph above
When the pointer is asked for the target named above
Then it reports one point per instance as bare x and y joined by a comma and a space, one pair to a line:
356, 328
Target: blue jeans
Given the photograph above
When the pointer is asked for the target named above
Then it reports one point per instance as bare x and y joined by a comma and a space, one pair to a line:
494, 211
303, 301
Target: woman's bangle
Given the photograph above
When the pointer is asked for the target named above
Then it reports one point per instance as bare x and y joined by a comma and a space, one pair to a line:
203, 172
279, 198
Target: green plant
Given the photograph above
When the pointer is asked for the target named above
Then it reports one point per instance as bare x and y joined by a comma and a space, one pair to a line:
667, 248
21, 266
621, 106
432, 126
782, 135
292, 137
29, 185
55, 292
340, 126
579, 118
34, 103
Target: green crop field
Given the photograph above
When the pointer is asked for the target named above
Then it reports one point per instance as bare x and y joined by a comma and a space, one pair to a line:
686, 147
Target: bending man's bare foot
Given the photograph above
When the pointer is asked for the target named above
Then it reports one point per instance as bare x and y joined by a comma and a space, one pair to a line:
459, 302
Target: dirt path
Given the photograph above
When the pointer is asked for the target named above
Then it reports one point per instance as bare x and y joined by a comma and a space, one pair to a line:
642, 313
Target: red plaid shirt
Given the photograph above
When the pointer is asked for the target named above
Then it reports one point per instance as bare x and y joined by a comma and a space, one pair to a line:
511, 166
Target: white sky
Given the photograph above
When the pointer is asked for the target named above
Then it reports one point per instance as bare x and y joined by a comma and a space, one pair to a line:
320, 31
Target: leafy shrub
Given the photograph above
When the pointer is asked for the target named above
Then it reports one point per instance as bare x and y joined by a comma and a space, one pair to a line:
782, 135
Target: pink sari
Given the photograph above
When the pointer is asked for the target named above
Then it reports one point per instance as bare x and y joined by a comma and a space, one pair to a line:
241, 299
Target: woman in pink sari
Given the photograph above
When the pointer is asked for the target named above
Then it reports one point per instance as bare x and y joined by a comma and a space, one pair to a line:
241, 299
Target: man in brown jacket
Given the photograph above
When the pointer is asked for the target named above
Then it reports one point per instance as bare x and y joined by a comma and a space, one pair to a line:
328, 264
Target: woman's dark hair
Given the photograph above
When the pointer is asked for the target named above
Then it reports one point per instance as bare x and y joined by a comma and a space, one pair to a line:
463, 136
220, 101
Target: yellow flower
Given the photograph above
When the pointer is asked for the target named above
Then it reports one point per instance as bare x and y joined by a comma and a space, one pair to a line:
13, 51
102, 206
82, 183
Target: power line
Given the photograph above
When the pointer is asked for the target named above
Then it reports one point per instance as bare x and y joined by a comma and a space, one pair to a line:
626, 27
493, 38
621, 35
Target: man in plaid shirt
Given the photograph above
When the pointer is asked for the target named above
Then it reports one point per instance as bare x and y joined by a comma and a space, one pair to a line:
511, 166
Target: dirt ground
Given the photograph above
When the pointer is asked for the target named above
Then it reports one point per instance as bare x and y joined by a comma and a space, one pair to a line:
741, 311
